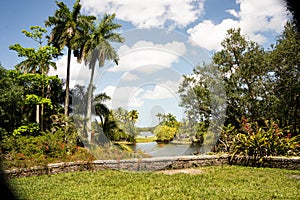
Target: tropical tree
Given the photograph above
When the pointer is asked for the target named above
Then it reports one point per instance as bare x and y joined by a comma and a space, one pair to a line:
37, 61
283, 63
159, 116
19, 95
95, 46
100, 108
167, 128
168, 119
11, 101
78, 99
126, 120
241, 64
67, 26
133, 116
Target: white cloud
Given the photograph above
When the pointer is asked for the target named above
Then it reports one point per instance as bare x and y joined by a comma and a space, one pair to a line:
128, 76
254, 18
266, 15
124, 96
135, 96
233, 13
209, 35
144, 53
160, 92
79, 73
146, 14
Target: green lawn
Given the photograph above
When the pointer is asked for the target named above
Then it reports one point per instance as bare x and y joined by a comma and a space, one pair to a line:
225, 182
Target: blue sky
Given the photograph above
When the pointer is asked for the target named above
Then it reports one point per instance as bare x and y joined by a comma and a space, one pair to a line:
164, 40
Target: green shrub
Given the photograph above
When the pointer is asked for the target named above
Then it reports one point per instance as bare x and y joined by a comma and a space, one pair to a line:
60, 141
164, 133
30, 129
258, 141
25, 145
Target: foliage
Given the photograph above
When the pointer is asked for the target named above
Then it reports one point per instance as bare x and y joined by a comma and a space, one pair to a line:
164, 132
167, 128
145, 129
78, 100
31, 129
284, 66
95, 45
11, 101
258, 141
37, 61
167, 119
258, 84
110, 125
19, 93
126, 121
225, 182
240, 63
202, 95
67, 27
36, 100
27, 143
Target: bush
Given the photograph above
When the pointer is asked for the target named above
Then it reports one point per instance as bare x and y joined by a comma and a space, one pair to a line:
258, 141
58, 142
164, 133
23, 145
30, 129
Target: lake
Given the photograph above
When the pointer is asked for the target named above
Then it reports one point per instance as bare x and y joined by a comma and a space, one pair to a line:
157, 150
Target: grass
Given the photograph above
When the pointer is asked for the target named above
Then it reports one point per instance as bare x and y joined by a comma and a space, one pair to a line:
146, 139
225, 182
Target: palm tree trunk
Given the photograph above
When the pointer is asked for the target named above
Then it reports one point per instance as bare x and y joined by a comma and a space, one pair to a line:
89, 103
67, 101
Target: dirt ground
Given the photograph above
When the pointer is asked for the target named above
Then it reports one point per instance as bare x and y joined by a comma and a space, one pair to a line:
185, 171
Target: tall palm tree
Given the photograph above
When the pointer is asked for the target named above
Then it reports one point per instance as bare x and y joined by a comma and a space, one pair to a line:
96, 47
67, 25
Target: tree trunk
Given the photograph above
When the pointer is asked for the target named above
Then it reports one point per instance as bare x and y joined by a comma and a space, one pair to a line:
42, 105
68, 83
37, 114
89, 103
42, 117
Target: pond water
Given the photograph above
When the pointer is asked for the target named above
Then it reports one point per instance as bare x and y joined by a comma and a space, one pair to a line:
157, 150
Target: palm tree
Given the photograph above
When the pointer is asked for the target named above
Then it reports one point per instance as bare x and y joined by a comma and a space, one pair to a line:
107, 122
159, 115
67, 25
100, 108
95, 46
133, 116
